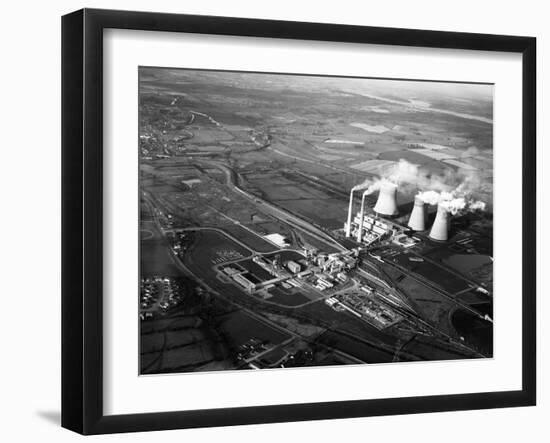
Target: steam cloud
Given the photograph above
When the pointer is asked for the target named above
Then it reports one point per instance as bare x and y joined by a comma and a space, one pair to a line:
459, 199
372, 186
454, 190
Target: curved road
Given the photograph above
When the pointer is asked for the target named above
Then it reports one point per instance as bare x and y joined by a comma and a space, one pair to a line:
275, 211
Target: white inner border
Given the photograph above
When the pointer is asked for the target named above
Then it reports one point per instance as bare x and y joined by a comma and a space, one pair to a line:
126, 392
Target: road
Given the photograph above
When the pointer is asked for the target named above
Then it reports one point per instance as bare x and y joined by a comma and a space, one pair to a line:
218, 230
275, 211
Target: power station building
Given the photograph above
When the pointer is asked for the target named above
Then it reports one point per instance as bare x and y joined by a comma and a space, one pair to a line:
368, 228
377, 224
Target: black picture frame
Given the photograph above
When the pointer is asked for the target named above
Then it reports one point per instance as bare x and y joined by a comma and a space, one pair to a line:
82, 215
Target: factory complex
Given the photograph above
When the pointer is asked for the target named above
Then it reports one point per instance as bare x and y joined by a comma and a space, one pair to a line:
310, 268
317, 275
369, 228
297, 277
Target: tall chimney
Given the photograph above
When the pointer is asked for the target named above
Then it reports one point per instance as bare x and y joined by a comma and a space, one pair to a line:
350, 211
440, 228
417, 220
362, 216
386, 203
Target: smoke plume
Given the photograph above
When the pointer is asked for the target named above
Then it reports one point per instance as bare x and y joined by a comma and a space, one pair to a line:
455, 190
455, 201
371, 186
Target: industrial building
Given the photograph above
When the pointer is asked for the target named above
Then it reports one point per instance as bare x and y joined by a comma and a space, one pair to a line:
370, 226
244, 282
277, 240
293, 267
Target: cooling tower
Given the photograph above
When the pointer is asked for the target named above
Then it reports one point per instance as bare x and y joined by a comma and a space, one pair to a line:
350, 211
440, 228
361, 217
386, 203
417, 220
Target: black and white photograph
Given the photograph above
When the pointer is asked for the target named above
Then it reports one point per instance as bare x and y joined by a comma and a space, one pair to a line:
291, 221
275, 222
